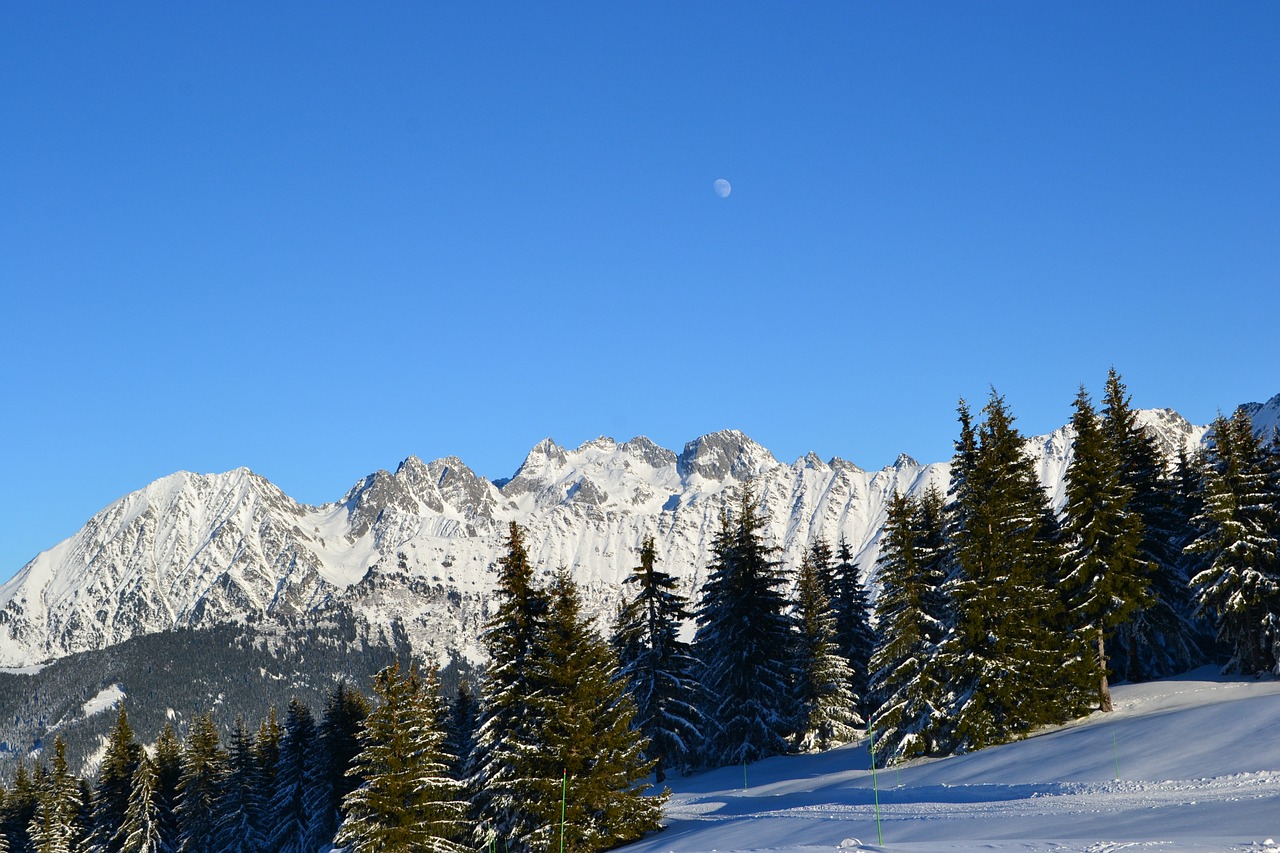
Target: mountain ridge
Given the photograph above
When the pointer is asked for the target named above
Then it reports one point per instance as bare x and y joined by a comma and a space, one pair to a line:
419, 544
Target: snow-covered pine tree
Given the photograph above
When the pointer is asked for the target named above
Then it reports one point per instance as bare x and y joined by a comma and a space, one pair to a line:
111, 795
204, 773
934, 555
657, 665
1240, 542
241, 820
745, 643
55, 826
905, 681
141, 831
1105, 580
1006, 656
289, 830
334, 751
591, 755
510, 726
851, 607
1161, 638
824, 696
407, 800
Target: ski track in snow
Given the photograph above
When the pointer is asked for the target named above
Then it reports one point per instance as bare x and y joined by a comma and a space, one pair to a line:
972, 811
1203, 776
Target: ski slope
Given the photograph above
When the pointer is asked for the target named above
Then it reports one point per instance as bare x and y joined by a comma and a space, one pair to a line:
1198, 761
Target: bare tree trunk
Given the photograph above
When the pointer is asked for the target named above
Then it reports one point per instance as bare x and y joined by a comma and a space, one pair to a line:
1104, 690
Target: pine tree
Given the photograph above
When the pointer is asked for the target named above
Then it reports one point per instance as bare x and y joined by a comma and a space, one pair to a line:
407, 801
241, 820
334, 752
115, 778
19, 809
464, 716
821, 556
963, 463
1005, 656
1240, 542
851, 607
204, 773
823, 692
1105, 580
1160, 638
906, 682
657, 665
266, 754
290, 827
934, 555
592, 758
141, 830
55, 827
168, 767
744, 642
511, 724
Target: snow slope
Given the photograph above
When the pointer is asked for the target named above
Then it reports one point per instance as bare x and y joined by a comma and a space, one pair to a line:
1199, 770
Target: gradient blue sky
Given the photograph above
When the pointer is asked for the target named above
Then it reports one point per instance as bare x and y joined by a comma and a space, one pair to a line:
315, 238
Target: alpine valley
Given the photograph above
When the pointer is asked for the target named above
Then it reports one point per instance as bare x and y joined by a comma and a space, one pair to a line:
225, 582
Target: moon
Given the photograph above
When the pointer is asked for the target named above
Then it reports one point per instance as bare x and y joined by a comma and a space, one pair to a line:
722, 187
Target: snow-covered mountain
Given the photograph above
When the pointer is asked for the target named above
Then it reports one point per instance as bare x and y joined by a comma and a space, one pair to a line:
418, 546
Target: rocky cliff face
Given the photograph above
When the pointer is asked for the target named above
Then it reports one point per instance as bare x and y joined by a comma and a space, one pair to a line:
417, 547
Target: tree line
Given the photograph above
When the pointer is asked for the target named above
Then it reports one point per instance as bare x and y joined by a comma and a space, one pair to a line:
996, 615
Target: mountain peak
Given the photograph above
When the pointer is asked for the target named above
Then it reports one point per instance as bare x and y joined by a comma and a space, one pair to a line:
724, 455
813, 461
650, 453
604, 443
540, 456
539, 467
412, 466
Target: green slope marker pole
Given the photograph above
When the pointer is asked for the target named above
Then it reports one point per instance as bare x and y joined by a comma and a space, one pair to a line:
564, 797
1116, 754
744, 774
875, 786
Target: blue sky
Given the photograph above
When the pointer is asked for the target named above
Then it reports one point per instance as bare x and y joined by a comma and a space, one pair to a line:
313, 239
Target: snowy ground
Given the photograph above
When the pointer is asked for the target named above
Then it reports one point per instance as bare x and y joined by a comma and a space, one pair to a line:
1199, 770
